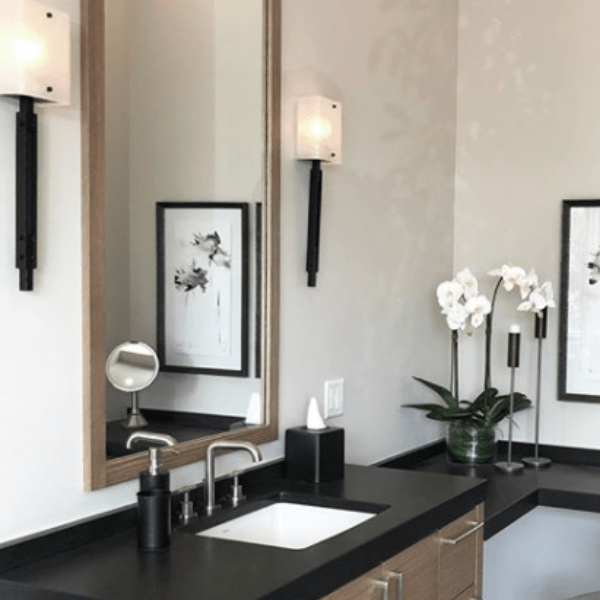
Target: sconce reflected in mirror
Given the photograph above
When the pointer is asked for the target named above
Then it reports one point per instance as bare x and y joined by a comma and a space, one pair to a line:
34, 66
132, 367
319, 138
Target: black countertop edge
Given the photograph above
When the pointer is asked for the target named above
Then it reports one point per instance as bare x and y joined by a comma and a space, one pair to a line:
560, 454
510, 514
35, 547
568, 499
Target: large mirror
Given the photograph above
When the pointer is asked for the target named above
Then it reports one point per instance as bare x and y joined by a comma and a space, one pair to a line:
180, 152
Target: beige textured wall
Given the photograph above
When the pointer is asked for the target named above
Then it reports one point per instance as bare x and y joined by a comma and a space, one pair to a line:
528, 131
387, 214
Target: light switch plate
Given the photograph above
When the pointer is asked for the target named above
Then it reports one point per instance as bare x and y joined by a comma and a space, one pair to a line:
334, 398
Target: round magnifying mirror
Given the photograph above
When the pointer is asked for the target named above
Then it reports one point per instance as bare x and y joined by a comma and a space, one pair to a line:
131, 367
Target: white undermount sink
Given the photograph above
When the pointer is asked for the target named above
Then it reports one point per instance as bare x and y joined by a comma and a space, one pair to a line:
288, 525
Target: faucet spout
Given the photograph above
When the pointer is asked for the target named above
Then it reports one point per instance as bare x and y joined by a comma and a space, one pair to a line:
211, 452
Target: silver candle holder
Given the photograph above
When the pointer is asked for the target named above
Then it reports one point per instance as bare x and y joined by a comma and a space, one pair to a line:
514, 338
541, 328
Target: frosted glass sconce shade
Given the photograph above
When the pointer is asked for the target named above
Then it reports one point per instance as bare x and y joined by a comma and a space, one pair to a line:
35, 51
319, 135
318, 139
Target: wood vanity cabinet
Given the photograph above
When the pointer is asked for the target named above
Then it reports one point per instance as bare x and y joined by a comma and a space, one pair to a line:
447, 565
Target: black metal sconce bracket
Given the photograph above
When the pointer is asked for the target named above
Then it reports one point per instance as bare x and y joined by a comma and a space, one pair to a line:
314, 222
26, 191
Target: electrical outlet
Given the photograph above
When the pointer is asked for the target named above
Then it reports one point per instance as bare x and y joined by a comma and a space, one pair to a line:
334, 398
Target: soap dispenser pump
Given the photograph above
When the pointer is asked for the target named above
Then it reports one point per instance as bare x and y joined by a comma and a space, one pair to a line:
154, 497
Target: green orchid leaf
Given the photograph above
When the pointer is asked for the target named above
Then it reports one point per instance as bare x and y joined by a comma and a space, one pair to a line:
442, 392
446, 414
426, 406
441, 413
485, 399
501, 409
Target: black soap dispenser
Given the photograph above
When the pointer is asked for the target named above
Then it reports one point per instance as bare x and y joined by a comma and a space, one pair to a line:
154, 497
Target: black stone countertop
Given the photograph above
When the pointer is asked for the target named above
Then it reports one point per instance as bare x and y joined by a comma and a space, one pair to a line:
572, 481
210, 569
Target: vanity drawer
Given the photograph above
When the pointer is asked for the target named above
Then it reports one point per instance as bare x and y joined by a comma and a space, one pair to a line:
363, 588
460, 554
444, 566
418, 566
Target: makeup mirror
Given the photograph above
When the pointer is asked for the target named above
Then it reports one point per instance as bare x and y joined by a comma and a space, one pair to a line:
132, 367
158, 119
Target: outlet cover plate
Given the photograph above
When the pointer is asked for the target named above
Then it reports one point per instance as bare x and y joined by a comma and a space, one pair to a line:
334, 398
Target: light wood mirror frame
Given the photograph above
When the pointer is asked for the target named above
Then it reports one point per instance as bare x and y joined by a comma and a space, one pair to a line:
100, 472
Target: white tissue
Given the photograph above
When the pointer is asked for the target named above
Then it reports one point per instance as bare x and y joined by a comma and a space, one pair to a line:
314, 420
254, 414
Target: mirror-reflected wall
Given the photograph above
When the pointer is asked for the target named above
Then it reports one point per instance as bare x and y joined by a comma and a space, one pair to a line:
180, 106
183, 123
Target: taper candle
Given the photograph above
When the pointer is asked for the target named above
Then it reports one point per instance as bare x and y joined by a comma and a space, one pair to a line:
514, 339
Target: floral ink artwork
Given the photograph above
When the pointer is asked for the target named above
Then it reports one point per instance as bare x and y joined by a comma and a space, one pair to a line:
202, 276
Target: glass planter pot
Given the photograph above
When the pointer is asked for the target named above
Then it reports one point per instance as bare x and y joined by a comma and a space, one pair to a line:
470, 444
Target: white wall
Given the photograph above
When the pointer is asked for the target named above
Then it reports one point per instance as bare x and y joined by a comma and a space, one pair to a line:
386, 241
527, 137
549, 554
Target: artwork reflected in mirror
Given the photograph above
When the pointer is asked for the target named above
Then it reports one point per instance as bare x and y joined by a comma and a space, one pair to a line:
202, 279
184, 121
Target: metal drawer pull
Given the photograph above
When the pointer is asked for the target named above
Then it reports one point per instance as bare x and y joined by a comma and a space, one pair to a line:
384, 586
466, 534
399, 577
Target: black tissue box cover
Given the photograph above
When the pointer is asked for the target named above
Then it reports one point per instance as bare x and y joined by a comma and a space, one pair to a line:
314, 456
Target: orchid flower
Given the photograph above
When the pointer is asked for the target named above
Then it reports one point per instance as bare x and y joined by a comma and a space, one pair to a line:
456, 316
510, 275
468, 282
528, 284
478, 307
539, 299
449, 294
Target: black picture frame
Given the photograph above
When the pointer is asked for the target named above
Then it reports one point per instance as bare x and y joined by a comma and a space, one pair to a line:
258, 292
202, 287
578, 344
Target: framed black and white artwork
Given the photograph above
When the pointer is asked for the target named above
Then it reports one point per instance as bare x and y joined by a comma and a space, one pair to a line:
579, 329
202, 287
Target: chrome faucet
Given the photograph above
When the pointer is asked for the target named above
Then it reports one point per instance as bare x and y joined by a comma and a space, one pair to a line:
209, 490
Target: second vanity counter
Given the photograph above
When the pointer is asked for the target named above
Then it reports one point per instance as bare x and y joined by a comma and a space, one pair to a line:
203, 568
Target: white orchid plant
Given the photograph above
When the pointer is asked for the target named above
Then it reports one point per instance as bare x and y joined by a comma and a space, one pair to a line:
466, 309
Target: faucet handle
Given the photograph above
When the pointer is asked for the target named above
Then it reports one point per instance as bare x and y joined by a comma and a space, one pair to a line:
187, 507
237, 494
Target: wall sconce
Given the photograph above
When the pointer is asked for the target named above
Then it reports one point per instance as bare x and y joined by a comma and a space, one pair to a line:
319, 138
35, 55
